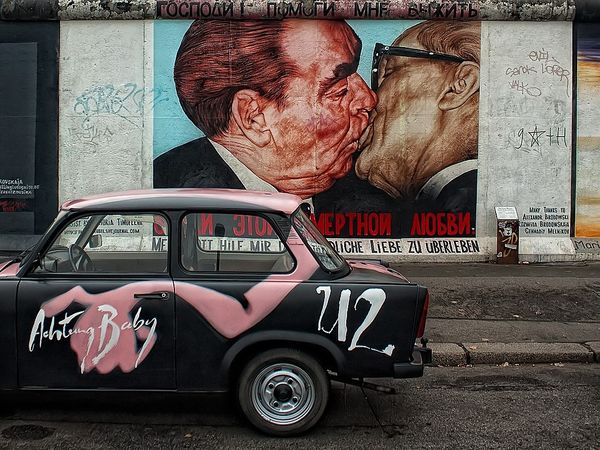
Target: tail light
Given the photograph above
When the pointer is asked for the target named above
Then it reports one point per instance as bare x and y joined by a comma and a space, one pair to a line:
423, 319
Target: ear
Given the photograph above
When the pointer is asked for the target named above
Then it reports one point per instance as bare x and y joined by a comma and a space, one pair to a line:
462, 84
246, 110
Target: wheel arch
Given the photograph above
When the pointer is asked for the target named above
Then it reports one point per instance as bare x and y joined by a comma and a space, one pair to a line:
325, 351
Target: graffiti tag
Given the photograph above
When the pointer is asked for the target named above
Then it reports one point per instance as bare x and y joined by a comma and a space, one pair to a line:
127, 101
374, 296
123, 101
102, 338
533, 139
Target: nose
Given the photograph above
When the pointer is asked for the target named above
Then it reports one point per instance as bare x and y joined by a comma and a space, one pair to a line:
364, 99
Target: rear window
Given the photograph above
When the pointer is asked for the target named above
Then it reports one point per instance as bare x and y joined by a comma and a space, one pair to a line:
232, 242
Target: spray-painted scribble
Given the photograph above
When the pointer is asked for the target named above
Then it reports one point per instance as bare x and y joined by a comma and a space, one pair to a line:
539, 139
128, 101
123, 101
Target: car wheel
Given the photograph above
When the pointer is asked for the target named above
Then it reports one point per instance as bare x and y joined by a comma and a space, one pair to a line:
283, 392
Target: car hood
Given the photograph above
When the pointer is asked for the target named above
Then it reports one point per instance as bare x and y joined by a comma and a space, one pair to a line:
9, 268
369, 272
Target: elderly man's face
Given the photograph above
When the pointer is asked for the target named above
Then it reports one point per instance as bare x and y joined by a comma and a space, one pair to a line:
405, 123
326, 108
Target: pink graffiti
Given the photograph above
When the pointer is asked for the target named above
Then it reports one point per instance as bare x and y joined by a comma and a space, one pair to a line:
9, 269
377, 268
228, 316
104, 336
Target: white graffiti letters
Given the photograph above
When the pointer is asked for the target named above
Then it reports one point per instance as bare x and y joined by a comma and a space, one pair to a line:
342, 319
103, 334
374, 296
52, 333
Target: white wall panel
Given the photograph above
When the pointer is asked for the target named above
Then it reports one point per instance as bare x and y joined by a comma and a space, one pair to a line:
105, 131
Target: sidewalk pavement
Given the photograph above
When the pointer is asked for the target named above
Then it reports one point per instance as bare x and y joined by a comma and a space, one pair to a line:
511, 314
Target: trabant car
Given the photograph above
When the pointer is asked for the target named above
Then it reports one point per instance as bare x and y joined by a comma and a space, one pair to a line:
204, 290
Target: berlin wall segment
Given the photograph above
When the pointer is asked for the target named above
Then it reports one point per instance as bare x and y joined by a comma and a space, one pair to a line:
507, 128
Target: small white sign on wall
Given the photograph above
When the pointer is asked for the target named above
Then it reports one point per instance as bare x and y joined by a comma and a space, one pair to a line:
506, 213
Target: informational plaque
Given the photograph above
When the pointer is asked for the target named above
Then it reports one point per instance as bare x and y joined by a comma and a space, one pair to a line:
506, 213
507, 235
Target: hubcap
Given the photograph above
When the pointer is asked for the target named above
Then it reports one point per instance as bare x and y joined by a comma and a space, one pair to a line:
283, 394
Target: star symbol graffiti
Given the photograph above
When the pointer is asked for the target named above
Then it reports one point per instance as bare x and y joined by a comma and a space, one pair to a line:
535, 136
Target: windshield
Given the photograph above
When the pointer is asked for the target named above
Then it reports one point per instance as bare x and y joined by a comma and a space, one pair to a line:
322, 249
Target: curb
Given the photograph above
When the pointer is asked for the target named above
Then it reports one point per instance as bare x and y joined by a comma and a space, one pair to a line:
460, 354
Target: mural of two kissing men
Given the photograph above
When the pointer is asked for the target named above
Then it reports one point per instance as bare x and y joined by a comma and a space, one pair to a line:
283, 107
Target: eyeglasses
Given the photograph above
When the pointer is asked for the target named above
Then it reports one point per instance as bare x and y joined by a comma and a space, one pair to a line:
382, 50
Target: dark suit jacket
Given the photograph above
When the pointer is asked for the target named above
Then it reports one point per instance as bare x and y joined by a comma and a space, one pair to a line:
194, 164
351, 194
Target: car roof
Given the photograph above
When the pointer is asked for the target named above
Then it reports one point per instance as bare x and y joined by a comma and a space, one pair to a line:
160, 199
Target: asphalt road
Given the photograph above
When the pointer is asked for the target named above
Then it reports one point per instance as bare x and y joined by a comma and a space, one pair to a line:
470, 407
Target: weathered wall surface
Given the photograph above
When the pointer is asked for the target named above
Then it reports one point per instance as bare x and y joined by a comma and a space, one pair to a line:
526, 132
105, 133
269, 9
498, 117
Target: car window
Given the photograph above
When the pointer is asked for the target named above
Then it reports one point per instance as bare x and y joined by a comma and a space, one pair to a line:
230, 242
110, 243
322, 249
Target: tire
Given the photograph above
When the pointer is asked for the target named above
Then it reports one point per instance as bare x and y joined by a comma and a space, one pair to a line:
283, 392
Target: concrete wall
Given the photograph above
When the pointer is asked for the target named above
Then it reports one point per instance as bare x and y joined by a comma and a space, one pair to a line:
117, 114
105, 132
526, 133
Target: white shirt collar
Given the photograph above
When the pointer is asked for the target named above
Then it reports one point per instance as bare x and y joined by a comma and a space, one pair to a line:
249, 179
433, 187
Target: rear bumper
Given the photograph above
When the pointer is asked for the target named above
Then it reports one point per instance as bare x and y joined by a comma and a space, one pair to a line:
413, 369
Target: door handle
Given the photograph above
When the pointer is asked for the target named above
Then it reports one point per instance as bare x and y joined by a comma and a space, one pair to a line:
153, 296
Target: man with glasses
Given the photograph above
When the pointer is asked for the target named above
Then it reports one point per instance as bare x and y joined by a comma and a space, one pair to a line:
422, 136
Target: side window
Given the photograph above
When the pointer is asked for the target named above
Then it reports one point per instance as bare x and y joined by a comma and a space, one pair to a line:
229, 242
110, 243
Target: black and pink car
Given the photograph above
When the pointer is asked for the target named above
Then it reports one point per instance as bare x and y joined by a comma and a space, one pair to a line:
204, 290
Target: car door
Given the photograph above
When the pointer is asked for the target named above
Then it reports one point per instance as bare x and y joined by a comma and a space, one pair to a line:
97, 311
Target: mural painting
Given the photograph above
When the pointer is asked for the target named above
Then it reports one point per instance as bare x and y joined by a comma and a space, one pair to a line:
374, 124
587, 189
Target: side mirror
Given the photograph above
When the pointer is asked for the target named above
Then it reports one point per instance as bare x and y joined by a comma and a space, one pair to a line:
95, 241
49, 264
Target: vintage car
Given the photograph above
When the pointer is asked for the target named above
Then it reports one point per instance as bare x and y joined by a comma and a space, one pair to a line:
204, 290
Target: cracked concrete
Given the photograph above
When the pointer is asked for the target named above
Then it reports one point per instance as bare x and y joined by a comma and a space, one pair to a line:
106, 9
528, 10
517, 10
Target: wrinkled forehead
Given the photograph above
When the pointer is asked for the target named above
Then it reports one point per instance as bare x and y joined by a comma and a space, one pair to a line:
320, 42
408, 39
